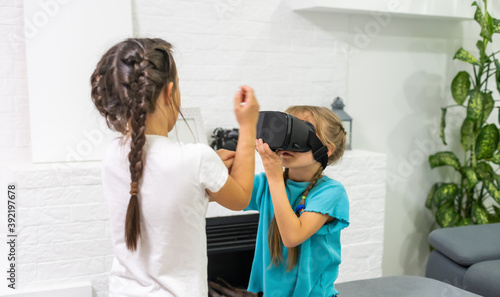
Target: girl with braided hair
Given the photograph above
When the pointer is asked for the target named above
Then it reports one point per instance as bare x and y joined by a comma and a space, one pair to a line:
302, 212
157, 189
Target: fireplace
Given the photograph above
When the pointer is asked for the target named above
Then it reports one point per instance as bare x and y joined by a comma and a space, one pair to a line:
230, 248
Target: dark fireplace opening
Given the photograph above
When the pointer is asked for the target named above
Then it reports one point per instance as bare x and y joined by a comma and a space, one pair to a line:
230, 248
236, 268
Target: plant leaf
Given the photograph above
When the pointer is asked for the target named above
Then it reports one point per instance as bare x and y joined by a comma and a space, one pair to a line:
479, 214
446, 216
475, 106
445, 192
443, 125
465, 222
430, 198
460, 87
467, 131
487, 142
488, 104
497, 78
483, 22
491, 25
471, 176
484, 171
496, 177
492, 190
496, 25
496, 158
493, 218
444, 159
482, 52
497, 75
466, 56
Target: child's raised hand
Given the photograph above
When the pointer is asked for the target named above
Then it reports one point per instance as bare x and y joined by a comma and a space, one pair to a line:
246, 107
270, 160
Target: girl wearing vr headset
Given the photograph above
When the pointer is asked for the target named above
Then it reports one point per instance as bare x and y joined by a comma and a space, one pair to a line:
158, 228
301, 214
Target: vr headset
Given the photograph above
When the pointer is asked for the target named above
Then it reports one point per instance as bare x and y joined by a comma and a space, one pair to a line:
285, 132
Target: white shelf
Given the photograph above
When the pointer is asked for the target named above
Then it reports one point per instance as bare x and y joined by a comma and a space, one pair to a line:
437, 9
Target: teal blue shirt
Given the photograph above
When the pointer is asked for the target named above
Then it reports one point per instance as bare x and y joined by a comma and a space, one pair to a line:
319, 256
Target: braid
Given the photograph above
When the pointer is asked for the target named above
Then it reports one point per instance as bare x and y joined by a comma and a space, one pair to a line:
136, 100
313, 182
132, 221
274, 236
293, 253
125, 87
102, 92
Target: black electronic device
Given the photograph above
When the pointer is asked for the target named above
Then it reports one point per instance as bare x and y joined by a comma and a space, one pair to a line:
283, 131
225, 139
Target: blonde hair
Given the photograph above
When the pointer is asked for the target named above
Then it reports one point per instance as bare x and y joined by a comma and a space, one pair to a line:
329, 128
331, 132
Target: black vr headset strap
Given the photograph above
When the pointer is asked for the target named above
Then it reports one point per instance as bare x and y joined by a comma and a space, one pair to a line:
320, 151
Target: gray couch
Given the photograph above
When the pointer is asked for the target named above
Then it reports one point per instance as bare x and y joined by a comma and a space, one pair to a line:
400, 286
467, 257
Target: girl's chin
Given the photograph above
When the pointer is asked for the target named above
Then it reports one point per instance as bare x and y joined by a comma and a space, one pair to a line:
286, 163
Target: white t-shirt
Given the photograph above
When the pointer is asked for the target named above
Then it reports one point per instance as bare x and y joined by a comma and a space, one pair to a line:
171, 256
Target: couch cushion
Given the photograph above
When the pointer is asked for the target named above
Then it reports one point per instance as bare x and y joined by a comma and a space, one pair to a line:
399, 286
483, 278
469, 244
443, 269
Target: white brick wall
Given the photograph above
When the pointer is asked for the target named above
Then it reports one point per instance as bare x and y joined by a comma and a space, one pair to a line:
63, 231
223, 44
62, 226
363, 175
14, 111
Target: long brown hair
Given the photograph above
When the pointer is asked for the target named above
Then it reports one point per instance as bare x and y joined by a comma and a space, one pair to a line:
331, 132
125, 87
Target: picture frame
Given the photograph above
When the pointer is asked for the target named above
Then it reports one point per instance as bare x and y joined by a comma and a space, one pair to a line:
191, 130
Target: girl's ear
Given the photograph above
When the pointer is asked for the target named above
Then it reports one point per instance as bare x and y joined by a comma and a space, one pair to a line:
169, 93
331, 149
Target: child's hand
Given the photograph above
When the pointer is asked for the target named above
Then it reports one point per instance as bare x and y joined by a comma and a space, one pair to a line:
246, 107
227, 157
270, 160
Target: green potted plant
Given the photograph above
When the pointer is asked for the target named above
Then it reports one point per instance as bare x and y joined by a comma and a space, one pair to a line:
475, 197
